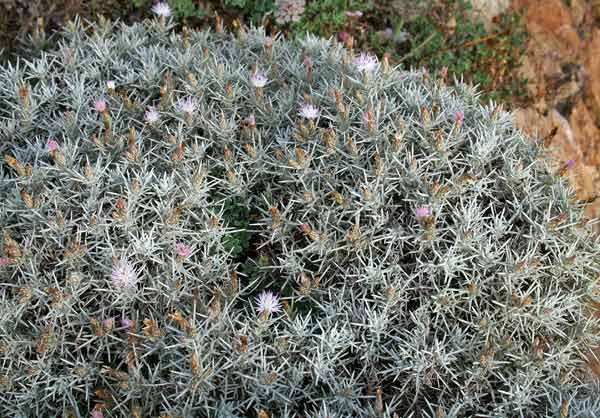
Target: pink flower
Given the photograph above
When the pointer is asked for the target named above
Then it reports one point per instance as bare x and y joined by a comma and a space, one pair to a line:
459, 117
110, 84
423, 212
188, 105
309, 111
4, 261
96, 413
355, 14
100, 105
162, 9
108, 323
569, 164
366, 63
344, 36
308, 62
251, 120
183, 250
258, 79
124, 276
289, 10
151, 116
127, 323
268, 303
52, 145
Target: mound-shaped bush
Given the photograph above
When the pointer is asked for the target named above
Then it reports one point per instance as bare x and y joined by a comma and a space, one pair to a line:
215, 225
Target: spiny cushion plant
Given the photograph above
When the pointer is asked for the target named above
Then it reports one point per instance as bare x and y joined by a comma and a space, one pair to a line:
221, 225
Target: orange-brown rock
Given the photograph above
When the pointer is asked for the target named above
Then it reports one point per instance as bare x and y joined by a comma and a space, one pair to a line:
562, 65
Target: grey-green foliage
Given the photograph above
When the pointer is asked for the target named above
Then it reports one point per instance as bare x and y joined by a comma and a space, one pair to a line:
480, 308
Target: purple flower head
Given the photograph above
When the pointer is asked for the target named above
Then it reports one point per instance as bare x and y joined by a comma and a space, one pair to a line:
127, 323
258, 79
52, 145
459, 117
108, 323
188, 105
569, 164
124, 276
423, 212
151, 116
4, 261
251, 120
100, 105
366, 63
96, 413
268, 303
309, 111
162, 9
183, 250
308, 62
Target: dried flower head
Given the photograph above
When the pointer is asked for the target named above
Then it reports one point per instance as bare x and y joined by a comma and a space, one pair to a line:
162, 9
309, 111
124, 276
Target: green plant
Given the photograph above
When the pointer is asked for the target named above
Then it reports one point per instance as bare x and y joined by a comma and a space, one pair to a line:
448, 37
224, 225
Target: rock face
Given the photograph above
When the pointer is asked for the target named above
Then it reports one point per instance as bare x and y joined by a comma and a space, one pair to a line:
562, 65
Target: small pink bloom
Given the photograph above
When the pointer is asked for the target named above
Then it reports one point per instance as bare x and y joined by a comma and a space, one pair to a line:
309, 111
308, 62
162, 9
151, 116
183, 250
127, 323
124, 275
259, 79
569, 164
459, 117
423, 212
251, 120
366, 63
96, 413
344, 36
108, 323
355, 14
268, 303
4, 261
100, 105
110, 84
52, 145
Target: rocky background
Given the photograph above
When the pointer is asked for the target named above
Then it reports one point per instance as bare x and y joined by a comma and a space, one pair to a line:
562, 65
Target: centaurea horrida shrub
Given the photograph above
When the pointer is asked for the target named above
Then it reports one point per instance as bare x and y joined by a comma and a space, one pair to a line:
227, 226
